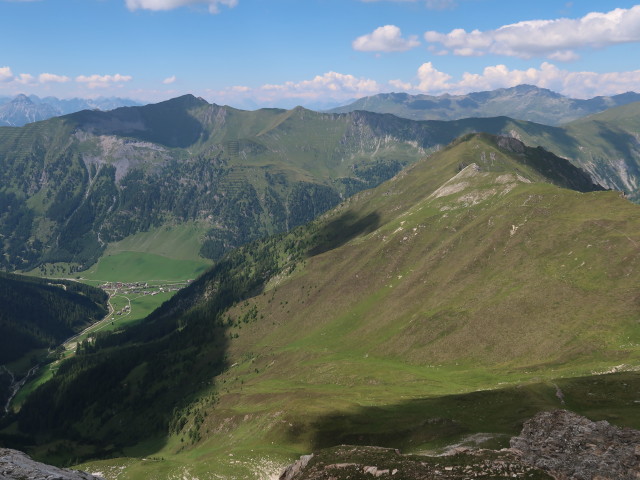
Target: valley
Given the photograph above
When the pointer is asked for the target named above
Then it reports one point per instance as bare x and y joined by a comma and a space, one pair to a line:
476, 284
413, 316
319, 240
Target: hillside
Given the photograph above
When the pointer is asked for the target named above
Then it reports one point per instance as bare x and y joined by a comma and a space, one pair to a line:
524, 102
605, 145
75, 184
40, 314
459, 297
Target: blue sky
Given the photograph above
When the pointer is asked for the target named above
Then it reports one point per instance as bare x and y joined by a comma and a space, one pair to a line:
252, 53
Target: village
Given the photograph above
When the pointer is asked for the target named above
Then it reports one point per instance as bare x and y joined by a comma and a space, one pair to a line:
140, 288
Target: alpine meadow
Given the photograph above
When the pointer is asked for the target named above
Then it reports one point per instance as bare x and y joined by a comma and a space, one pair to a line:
219, 262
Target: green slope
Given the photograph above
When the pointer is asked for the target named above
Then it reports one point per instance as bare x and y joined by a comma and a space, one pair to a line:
39, 314
75, 184
481, 267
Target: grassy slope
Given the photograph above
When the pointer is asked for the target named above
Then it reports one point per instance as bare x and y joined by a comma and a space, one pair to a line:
489, 282
604, 144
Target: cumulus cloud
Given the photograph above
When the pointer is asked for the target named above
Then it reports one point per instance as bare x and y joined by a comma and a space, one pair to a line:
169, 80
556, 39
102, 81
574, 84
431, 79
322, 89
24, 79
385, 39
431, 4
52, 78
400, 85
6, 75
331, 83
213, 5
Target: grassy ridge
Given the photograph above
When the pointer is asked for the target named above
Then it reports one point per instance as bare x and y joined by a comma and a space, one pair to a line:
469, 272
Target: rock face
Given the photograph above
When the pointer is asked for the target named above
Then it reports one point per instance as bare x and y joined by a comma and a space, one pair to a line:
17, 465
368, 463
558, 445
295, 468
573, 447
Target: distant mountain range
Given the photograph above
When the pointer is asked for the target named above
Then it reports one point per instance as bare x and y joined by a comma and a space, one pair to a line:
72, 184
524, 102
20, 110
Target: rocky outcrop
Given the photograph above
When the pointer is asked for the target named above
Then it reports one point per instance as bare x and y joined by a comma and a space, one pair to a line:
573, 447
558, 445
368, 463
295, 468
17, 465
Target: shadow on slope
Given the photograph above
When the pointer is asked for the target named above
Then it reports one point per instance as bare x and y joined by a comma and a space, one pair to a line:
168, 123
344, 228
138, 384
439, 421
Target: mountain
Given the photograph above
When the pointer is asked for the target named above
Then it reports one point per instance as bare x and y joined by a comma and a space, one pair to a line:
70, 105
524, 102
72, 184
605, 145
475, 288
40, 313
22, 109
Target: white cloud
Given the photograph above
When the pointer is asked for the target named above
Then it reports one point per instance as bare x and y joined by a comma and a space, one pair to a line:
431, 79
385, 39
169, 80
400, 85
52, 78
25, 79
213, 5
574, 84
332, 83
556, 39
103, 81
326, 88
431, 4
6, 75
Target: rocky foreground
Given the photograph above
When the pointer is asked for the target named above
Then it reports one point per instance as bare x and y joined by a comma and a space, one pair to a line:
558, 445
15, 465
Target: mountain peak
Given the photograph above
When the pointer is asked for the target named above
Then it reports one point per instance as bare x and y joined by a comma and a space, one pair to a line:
187, 101
22, 99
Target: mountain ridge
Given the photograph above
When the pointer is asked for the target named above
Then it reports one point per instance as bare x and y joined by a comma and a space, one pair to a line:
524, 102
23, 109
282, 167
468, 271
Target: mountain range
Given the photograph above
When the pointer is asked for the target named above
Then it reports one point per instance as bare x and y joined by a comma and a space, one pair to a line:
471, 290
73, 184
22, 109
524, 102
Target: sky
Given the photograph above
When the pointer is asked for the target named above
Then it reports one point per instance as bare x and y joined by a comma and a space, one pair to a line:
315, 53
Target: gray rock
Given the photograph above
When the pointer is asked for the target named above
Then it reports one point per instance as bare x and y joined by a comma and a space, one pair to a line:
15, 465
295, 468
570, 446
